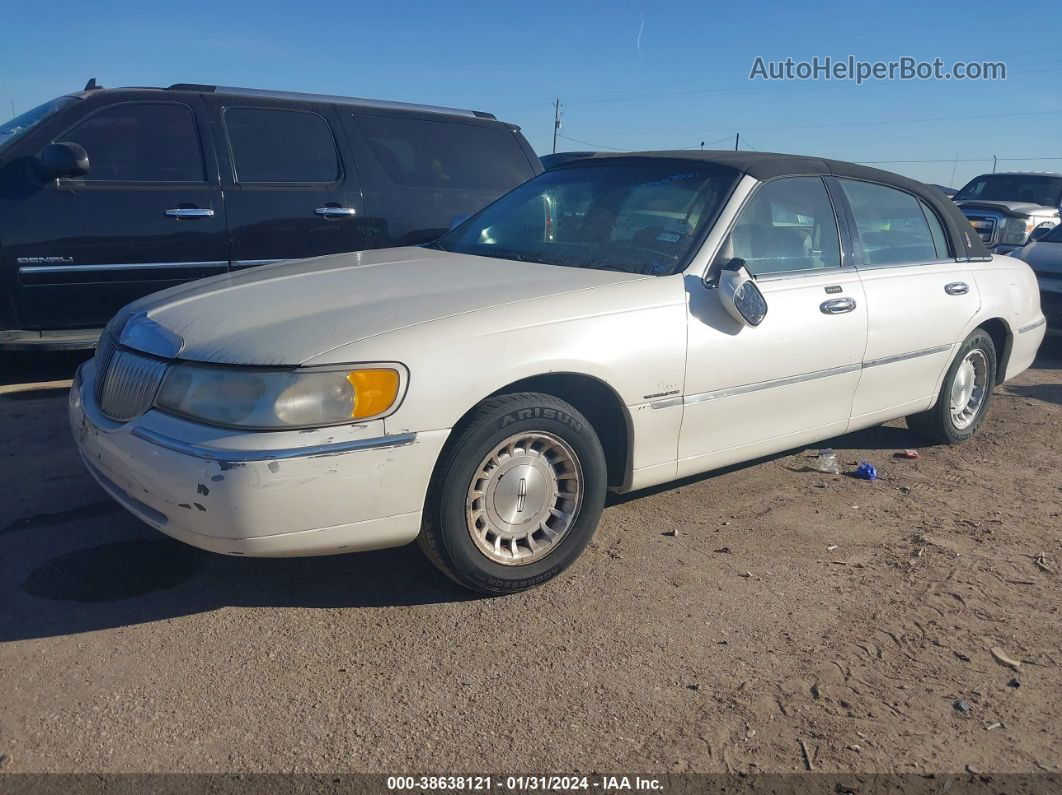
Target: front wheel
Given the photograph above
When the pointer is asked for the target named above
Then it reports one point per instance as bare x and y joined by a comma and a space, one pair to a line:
964, 395
516, 495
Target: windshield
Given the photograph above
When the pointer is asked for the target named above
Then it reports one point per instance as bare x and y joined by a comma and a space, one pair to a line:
636, 216
18, 126
1026, 188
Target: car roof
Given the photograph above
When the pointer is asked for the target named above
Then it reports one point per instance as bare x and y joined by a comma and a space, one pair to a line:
296, 96
1020, 174
768, 165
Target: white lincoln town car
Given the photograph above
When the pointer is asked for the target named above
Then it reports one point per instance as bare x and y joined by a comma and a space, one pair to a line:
615, 323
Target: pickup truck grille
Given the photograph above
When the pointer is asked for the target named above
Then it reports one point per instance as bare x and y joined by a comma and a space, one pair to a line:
986, 226
126, 381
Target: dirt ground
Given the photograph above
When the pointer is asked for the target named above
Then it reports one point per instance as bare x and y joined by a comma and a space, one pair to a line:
792, 611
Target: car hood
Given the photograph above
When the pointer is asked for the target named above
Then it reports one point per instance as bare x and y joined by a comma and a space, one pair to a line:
1043, 256
288, 313
1008, 208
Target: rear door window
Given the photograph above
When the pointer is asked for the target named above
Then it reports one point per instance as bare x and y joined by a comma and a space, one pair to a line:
420, 153
141, 142
893, 225
271, 145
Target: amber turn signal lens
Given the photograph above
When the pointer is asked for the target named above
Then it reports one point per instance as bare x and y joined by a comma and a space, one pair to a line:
375, 391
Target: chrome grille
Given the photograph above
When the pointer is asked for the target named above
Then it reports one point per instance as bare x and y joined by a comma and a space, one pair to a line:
104, 352
128, 384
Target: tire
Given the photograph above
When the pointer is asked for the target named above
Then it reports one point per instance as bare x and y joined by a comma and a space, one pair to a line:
522, 454
940, 423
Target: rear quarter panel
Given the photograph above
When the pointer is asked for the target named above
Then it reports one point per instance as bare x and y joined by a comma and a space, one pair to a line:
1009, 291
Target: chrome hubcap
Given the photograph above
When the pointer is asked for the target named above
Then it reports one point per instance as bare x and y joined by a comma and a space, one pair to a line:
524, 498
969, 389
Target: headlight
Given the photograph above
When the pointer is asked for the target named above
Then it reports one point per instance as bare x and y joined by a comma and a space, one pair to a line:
276, 399
1017, 229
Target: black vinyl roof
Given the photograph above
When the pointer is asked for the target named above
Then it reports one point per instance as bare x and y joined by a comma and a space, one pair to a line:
768, 165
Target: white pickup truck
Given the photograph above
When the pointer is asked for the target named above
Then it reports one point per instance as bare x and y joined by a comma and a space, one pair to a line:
1011, 209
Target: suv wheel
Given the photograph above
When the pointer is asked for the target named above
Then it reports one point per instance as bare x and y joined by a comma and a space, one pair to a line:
964, 395
516, 495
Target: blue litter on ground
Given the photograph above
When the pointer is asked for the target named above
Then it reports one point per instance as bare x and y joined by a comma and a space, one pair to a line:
866, 471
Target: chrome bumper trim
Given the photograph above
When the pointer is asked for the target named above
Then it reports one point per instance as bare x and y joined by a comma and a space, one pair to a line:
247, 456
902, 357
1031, 326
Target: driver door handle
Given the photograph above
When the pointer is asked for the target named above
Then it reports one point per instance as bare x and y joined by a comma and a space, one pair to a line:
335, 212
189, 212
837, 306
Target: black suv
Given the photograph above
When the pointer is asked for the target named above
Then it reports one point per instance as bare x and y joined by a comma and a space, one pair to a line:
109, 194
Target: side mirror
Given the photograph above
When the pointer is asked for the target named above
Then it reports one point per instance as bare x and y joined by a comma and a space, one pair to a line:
63, 159
740, 295
1037, 233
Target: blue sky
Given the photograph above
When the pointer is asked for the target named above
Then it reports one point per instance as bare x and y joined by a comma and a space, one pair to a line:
630, 74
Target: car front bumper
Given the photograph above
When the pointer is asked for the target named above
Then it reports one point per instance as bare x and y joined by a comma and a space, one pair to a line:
276, 494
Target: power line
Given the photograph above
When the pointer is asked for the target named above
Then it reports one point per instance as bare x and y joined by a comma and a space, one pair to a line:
595, 146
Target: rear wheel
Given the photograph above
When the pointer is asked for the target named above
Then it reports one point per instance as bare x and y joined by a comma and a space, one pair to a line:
964, 395
516, 495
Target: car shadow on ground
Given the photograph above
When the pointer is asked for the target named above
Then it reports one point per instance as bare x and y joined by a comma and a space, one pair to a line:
1048, 393
144, 576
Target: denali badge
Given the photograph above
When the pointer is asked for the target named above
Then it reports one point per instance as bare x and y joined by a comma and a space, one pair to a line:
45, 260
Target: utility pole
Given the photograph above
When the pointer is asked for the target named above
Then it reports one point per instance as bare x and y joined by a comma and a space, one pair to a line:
737, 140
556, 123
993, 164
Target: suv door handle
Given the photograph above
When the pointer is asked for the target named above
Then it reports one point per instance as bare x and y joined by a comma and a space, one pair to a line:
335, 212
188, 212
837, 306
957, 288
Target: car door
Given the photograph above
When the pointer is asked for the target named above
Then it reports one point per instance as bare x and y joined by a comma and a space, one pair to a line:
291, 189
919, 300
147, 215
790, 380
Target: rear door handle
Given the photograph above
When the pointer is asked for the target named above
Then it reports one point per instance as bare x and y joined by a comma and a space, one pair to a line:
837, 306
188, 212
335, 212
957, 288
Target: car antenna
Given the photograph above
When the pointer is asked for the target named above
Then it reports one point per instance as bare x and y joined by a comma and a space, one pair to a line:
91, 84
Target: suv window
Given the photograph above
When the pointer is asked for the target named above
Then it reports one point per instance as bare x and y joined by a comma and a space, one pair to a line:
788, 225
141, 142
445, 154
892, 224
274, 145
